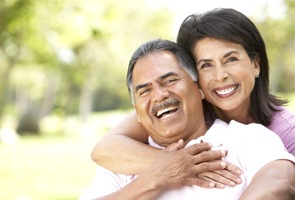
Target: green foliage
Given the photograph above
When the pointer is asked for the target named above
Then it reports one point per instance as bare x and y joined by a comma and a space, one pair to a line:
280, 40
71, 56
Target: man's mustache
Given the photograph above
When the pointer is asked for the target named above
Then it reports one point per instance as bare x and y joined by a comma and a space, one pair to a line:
164, 104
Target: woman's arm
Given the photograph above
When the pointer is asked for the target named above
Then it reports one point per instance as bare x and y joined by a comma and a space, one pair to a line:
275, 181
157, 178
124, 148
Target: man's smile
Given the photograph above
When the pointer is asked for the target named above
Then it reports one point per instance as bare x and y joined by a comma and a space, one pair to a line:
166, 112
165, 109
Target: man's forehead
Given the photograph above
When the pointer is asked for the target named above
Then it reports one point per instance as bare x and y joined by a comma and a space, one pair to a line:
156, 63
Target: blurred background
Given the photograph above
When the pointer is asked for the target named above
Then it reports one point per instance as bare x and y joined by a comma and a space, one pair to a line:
62, 72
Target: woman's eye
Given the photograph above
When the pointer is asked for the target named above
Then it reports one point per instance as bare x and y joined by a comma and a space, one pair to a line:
231, 59
205, 65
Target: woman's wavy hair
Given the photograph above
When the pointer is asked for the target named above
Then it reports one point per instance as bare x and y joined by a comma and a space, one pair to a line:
233, 26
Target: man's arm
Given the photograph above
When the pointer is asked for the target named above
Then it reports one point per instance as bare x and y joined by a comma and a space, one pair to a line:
275, 181
141, 188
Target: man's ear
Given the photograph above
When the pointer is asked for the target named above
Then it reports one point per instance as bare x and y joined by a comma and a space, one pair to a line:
137, 116
202, 93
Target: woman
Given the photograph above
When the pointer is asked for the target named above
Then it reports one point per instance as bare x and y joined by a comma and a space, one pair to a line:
250, 100
240, 102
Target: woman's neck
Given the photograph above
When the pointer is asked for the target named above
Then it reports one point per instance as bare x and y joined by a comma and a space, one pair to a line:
239, 115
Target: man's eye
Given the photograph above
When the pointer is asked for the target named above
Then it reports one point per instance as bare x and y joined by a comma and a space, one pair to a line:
143, 92
170, 81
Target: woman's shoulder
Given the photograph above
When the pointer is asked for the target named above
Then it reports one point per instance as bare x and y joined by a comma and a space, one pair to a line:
283, 123
283, 115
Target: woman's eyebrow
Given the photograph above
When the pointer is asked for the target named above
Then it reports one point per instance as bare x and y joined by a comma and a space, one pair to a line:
230, 52
204, 60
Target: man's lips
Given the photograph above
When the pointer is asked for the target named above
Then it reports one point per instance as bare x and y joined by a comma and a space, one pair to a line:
226, 91
164, 108
165, 111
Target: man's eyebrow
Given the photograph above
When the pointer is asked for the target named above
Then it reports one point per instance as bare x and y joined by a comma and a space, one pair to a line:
138, 87
168, 74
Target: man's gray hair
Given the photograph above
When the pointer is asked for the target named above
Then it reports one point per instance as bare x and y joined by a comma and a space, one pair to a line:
184, 59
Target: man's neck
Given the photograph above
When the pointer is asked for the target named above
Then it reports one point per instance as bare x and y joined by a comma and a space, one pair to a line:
200, 131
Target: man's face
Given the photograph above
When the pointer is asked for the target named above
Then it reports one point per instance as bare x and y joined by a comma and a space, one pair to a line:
167, 100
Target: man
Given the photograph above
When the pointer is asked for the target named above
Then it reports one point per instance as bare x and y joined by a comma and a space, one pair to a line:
162, 82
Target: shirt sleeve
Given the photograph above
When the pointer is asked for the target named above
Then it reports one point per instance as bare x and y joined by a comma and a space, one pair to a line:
261, 147
283, 124
105, 182
257, 146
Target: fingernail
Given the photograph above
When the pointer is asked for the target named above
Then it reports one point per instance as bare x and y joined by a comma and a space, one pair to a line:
223, 164
212, 185
223, 153
232, 183
239, 180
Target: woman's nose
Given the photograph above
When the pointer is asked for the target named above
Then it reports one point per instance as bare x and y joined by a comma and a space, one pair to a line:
220, 73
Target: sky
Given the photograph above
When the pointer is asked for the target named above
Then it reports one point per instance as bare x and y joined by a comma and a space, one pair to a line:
183, 8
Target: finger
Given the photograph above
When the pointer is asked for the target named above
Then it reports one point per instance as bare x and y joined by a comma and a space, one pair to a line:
198, 148
203, 176
208, 166
218, 179
234, 169
231, 178
201, 182
206, 156
175, 146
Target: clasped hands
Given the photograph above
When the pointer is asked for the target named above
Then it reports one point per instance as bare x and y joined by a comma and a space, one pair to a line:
196, 165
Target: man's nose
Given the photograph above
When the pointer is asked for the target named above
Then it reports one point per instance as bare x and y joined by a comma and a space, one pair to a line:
159, 94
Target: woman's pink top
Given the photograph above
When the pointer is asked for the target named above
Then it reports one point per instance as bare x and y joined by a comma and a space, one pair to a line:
283, 124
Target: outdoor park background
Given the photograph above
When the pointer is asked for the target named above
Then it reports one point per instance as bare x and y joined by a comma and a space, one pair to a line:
62, 72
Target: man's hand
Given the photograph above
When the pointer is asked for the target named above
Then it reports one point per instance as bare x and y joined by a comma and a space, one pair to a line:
175, 167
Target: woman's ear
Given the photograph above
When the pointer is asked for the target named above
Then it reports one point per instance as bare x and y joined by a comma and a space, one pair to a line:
202, 93
256, 63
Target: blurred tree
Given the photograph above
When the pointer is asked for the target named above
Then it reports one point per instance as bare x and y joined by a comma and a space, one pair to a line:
12, 31
279, 35
70, 56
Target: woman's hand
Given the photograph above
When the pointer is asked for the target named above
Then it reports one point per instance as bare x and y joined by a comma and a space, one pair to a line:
229, 176
176, 167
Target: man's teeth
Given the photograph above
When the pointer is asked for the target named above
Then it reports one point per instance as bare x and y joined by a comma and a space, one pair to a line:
226, 91
160, 112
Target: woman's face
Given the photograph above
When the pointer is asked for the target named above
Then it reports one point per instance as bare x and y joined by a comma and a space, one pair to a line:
226, 73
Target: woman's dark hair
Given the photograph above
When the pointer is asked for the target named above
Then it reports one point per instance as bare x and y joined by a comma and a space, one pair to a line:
233, 26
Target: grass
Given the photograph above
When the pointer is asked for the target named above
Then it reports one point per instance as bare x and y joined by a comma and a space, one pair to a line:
45, 168
53, 166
